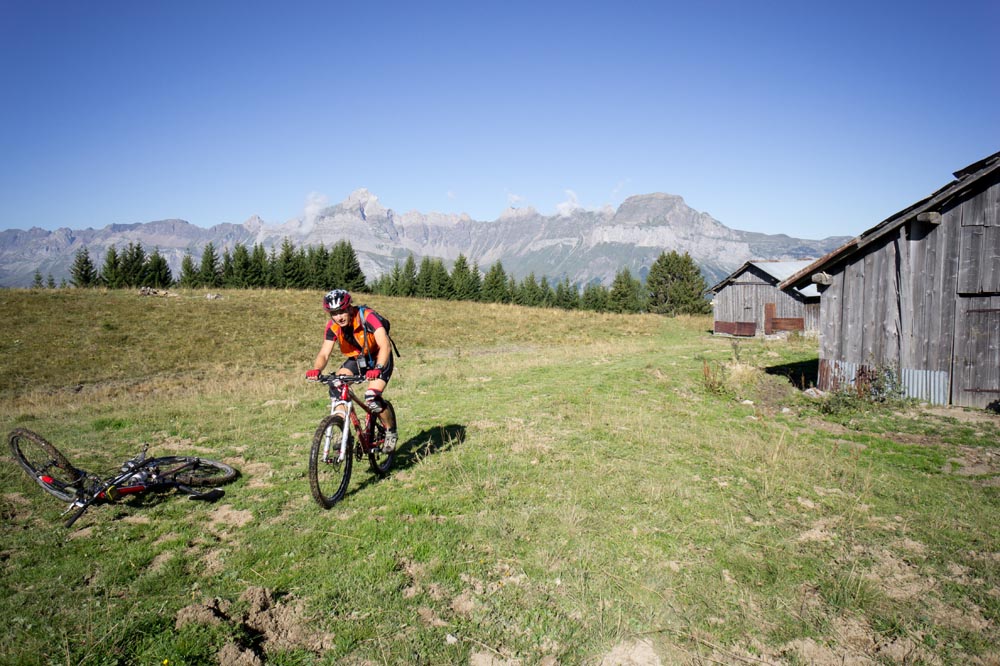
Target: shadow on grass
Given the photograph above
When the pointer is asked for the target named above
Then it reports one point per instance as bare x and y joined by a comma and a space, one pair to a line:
802, 375
428, 442
416, 448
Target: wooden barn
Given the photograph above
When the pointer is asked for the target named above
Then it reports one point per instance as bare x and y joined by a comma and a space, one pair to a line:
749, 302
919, 294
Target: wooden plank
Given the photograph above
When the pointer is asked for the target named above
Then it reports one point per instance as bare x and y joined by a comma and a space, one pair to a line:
788, 324
989, 270
971, 244
870, 323
768, 318
910, 351
889, 305
831, 342
928, 291
949, 294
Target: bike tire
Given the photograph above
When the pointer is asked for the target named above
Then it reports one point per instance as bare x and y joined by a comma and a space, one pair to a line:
379, 462
204, 473
45, 464
328, 474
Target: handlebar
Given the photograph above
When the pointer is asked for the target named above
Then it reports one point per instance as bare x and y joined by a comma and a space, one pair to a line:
344, 379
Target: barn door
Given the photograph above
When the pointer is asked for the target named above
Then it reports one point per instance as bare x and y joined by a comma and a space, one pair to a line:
976, 360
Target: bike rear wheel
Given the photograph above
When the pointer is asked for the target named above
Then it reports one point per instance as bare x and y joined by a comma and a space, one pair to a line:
329, 476
201, 472
381, 462
45, 464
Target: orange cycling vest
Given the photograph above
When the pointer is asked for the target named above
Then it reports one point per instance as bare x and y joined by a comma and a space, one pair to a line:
353, 342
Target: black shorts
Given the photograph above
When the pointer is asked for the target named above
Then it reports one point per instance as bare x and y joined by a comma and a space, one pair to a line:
357, 365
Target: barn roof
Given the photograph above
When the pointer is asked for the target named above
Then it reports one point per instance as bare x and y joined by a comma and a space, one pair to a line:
779, 270
965, 179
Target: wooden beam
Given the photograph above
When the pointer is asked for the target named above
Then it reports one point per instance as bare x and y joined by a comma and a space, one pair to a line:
822, 278
929, 217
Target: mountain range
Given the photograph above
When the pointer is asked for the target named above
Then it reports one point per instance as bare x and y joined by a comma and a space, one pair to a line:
583, 245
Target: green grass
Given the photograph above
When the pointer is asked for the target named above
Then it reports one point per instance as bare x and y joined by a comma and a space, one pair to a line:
568, 483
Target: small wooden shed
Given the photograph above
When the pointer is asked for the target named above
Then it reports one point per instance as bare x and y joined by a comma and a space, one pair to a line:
749, 302
919, 294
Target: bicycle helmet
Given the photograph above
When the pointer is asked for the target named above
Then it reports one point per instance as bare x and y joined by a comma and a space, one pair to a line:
338, 299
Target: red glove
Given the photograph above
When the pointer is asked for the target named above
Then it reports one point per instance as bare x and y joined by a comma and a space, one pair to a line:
374, 373
312, 374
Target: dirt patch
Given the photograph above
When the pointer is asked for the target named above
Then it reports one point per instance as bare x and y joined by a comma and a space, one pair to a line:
267, 624
174, 444
258, 474
636, 653
226, 516
161, 560
821, 530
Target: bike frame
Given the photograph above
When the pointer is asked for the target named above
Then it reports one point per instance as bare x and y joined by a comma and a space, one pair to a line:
342, 401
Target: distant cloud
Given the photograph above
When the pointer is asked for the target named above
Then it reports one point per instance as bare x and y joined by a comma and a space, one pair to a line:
315, 203
566, 208
451, 194
514, 200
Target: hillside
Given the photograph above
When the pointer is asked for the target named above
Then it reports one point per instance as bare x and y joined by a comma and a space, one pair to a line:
666, 499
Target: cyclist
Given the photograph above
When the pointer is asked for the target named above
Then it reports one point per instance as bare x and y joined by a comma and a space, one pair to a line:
368, 350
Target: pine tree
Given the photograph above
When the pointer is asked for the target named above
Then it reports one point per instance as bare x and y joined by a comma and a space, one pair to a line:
51, 284
286, 270
37, 283
546, 293
440, 283
407, 285
595, 297
345, 270
462, 284
625, 294
210, 272
476, 286
83, 274
190, 276
528, 292
133, 265
111, 272
157, 274
257, 271
676, 286
495, 289
567, 296
227, 268
317, 261
424, 278
240, 278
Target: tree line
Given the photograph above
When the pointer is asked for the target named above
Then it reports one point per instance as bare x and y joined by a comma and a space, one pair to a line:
674, 284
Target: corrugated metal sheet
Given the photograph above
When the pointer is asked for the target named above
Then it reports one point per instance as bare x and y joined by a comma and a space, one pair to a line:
932, 386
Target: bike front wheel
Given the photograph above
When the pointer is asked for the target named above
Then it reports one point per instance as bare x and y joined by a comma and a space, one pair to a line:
328, 474
196, 471
45, 464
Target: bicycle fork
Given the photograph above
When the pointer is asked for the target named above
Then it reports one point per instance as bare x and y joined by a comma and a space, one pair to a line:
345, 408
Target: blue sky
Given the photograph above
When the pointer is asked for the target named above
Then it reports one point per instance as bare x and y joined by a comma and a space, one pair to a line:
811, 119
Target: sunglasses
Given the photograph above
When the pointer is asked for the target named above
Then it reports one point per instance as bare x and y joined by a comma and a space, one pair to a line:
334, 313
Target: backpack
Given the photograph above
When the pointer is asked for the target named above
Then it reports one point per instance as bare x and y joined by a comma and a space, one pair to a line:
363, 310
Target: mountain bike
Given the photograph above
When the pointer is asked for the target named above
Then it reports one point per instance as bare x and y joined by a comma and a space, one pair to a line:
334, 448
50, 469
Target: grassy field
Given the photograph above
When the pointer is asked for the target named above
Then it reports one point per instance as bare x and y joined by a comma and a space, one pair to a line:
572, 488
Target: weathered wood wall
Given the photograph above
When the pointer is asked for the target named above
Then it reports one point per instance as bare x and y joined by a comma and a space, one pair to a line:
925, 301
745, 299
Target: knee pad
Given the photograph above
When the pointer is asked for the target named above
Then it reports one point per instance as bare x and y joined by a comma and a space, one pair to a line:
373, 399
